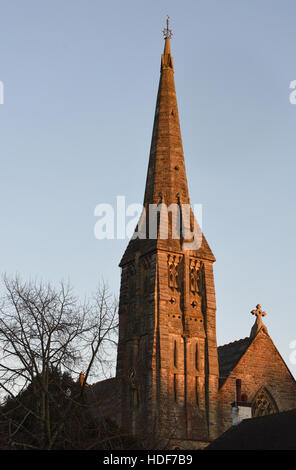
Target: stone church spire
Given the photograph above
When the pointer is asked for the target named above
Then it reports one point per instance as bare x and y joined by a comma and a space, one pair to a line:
167, 357
166, 176
166, 181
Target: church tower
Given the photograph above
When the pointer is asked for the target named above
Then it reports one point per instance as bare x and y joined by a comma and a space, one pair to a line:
167, 358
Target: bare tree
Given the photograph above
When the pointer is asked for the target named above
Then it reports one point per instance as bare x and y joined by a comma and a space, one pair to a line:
46, 338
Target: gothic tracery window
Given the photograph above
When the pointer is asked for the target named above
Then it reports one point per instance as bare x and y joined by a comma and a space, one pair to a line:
263, 404
173, 271
194, 276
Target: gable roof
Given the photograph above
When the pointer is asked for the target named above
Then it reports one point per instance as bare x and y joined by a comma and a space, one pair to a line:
229, 355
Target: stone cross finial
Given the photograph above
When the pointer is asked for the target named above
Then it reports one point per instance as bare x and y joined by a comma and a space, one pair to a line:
258, 312
258, 325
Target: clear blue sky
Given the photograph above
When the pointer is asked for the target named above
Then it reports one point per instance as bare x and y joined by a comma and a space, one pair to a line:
80, 82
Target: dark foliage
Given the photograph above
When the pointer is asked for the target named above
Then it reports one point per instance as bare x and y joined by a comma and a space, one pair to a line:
71, 418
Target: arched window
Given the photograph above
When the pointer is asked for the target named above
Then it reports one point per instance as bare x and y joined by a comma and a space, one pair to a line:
263, 404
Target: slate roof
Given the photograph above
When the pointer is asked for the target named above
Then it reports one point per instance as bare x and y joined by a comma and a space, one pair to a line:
229, 355
271, 432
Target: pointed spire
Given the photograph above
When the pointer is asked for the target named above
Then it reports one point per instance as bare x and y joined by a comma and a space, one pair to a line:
166, 180
166, 172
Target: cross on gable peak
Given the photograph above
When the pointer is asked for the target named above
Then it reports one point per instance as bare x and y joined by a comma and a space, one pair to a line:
258, 311
258, 325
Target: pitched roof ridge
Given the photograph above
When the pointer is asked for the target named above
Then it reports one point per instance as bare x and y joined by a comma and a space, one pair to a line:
234, 342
